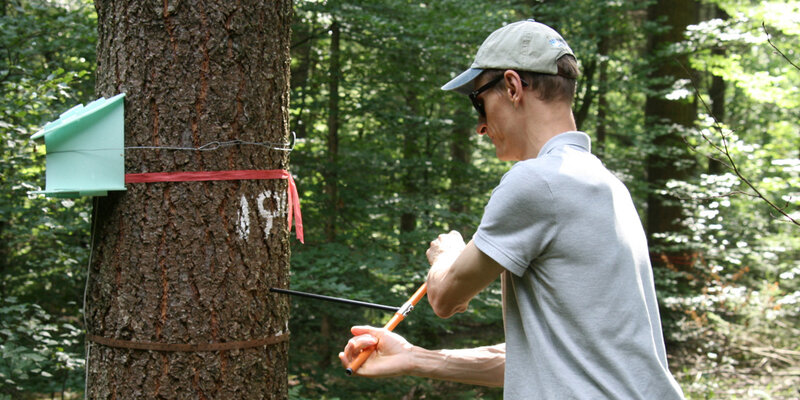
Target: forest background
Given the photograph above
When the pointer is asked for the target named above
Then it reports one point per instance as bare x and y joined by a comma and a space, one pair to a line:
385, 161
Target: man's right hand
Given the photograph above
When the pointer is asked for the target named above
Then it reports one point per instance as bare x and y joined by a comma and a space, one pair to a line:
391, 357
445, 249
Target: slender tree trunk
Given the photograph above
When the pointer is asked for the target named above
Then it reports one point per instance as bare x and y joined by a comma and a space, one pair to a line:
411, 175
602, 99
191, 262
461, 155
300, 78
717, 94
4, 256
670, 159
584, 102
331, 177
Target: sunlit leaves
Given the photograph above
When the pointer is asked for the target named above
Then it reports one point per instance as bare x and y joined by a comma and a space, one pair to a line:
46, 67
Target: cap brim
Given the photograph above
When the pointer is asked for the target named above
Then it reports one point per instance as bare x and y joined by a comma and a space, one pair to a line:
463, 83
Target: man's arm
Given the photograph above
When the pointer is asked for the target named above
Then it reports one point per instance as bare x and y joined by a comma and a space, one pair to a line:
483, 366
394, 356
458, 272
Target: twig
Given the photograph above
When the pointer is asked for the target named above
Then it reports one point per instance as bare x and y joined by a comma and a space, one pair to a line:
766, 352
764, 26
725, 150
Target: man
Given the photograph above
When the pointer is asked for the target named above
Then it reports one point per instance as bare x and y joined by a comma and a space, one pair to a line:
579, 305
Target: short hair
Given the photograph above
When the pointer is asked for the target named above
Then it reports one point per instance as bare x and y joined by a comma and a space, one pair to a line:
551, 88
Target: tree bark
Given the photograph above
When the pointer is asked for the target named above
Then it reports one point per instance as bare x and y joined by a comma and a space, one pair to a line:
191, 262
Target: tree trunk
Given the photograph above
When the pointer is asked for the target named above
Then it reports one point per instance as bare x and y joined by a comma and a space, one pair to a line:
331, 175
411, 176
301, 74
584, 102
669, 160
183, 264
602, 96
461, 157
717, 94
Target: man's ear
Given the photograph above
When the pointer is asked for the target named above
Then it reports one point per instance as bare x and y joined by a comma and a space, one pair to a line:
513, 86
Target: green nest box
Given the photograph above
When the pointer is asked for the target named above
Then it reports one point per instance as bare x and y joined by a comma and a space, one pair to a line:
85, 149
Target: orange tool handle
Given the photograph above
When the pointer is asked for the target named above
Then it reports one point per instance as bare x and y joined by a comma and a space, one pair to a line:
396, 318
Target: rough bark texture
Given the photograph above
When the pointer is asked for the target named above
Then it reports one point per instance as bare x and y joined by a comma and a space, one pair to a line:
191, 262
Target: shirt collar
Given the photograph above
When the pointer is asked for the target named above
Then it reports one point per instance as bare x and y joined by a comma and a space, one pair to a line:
574, 138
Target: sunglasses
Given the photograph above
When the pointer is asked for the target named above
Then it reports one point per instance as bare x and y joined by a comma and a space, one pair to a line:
473, 96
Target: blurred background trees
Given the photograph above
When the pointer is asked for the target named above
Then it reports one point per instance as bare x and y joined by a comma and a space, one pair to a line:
385, 161
47, 56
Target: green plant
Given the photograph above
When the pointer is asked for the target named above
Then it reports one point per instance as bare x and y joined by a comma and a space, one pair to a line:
37, 353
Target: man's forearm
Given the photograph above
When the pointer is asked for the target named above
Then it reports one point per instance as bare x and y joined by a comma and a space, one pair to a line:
483, 366
455, 279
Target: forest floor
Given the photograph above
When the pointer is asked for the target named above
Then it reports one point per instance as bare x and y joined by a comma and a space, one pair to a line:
756, 371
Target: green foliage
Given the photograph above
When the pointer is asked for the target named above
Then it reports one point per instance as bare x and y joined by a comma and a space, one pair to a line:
42, 75
733, 305
393, 160
45, 68
409, 168
37, 354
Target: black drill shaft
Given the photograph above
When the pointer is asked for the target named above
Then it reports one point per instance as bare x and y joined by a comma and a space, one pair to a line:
336, 299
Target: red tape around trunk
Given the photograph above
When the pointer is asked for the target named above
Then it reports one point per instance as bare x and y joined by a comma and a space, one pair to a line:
294, 199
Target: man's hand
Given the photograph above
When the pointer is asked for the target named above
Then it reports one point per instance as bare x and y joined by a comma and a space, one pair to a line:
445, 249
391, 357
458, 272
395, 356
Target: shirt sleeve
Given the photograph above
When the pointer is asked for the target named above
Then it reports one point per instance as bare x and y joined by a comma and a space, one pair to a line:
519, 221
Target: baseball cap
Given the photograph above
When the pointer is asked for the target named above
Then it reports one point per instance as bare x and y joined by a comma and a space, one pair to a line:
524, 46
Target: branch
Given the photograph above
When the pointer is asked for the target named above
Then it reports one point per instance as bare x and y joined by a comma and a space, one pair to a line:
782, 355
764, 26
725, 150
311, 36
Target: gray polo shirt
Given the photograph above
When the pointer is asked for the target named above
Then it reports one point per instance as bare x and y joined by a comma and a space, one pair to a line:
579, 303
